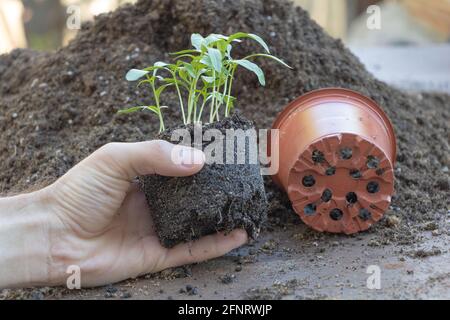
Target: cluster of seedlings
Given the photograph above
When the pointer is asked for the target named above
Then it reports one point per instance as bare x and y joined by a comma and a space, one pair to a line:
351, 197
204, 74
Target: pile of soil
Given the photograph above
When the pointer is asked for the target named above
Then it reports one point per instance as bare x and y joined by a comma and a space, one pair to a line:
221, 197
56, 108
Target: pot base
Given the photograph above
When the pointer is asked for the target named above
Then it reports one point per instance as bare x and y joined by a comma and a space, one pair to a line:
342, 183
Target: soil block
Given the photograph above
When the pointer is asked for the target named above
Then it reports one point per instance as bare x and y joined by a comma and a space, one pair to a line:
221, 197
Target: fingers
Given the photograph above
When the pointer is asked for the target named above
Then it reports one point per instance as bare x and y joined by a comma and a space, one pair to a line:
208, 247
149, 157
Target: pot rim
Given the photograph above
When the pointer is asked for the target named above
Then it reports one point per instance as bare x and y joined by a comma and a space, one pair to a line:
300, 102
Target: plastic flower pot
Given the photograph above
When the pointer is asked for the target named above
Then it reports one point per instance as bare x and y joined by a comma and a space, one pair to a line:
336, 155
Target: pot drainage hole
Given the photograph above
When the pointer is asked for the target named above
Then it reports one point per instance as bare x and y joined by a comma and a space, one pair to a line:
326, 195
336, 214
364, 214
373, 187
318, 156
345, 153
330, 171
351, 197
309, 209
308, 181
355, 173
372, 162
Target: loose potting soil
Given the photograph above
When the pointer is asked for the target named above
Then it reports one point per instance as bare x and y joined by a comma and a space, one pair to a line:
223, 196
58, 107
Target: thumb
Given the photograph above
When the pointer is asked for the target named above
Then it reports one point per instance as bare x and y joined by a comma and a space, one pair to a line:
128, 160
92, 191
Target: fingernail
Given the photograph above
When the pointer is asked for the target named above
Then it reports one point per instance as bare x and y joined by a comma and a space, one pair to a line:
191, 157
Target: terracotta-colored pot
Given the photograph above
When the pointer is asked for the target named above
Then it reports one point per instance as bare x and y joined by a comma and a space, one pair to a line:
336, 155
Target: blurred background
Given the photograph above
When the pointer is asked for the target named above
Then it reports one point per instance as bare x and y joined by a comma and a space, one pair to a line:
44, 25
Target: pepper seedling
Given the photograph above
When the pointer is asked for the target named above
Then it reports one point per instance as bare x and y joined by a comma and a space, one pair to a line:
202, 77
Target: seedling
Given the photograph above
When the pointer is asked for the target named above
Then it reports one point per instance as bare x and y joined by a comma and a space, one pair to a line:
202, 77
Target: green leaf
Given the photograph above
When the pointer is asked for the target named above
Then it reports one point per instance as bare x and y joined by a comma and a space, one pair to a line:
251, 36
216, 59
217, 95
260, 41
160, 90
154, 109
208, 79
197, 40
149, 68
159, 65
190, 69
142, 82
210, 39
184, 56
183, 74
254, 68
236, 36
228, 51
214, 39
206, 60
131, 110
270, 57
135, 74
219, 36
221, 45
228, 98
197, 65
188, 51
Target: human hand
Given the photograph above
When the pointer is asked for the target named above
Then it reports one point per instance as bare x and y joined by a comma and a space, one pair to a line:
95, 217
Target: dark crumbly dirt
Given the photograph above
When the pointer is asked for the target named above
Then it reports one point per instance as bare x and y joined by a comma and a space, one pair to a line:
221, 197
275, 292
56, 108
